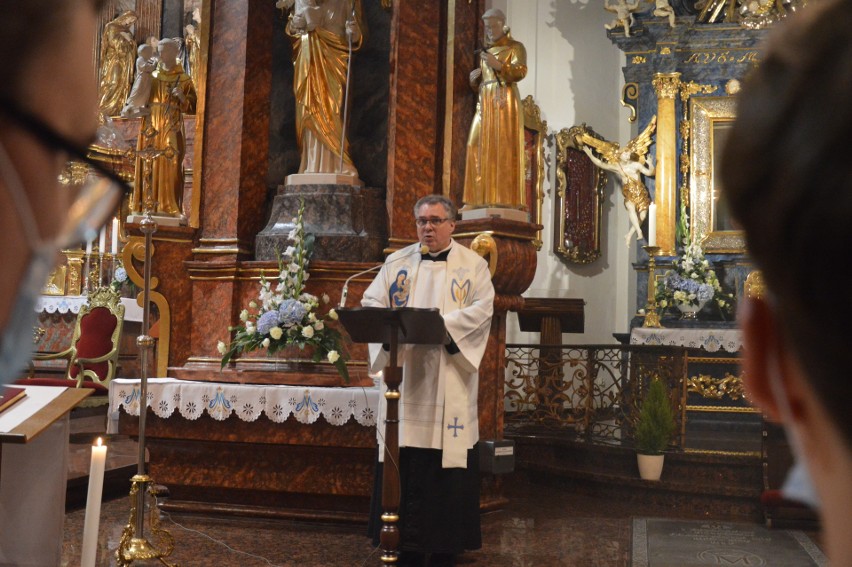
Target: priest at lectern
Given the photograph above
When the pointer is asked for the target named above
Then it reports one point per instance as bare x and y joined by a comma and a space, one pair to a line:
439, 426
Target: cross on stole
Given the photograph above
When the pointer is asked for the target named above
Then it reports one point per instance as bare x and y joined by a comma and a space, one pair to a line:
455, 426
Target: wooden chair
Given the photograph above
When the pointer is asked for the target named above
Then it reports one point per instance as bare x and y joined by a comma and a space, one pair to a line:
93, 354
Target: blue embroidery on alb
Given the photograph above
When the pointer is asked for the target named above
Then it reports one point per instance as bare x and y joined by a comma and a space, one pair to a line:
455, 426
460, 291
398, 291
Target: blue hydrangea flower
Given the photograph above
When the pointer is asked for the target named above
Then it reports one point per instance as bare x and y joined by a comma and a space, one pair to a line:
291, 312
267, 321
120, 275
705, 292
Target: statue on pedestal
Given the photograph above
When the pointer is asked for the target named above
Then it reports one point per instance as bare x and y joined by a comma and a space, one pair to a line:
172, 96
116, 73
494, 171
192, 39
629, 163
146, 63
323, 35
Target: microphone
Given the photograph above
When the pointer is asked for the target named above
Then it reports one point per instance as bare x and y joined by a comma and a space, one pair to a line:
345, 291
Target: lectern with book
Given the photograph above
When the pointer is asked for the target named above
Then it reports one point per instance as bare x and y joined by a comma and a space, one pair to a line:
392, 327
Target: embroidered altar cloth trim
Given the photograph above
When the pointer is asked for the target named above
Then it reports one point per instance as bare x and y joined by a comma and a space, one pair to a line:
72, 303
246, 401
711, 340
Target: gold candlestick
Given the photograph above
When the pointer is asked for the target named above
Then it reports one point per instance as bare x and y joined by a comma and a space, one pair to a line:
652, 318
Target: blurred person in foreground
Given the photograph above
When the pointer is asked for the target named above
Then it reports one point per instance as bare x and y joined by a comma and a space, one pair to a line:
48, 104
789, 184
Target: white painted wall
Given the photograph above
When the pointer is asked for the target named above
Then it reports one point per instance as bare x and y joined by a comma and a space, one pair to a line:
575, 77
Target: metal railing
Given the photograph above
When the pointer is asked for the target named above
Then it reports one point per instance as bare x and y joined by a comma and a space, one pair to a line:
590, 392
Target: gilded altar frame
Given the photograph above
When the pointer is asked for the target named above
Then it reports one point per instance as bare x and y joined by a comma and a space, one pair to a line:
578, 203
535, 131
710, 120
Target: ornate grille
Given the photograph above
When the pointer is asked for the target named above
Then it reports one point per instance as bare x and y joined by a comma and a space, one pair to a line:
589, 391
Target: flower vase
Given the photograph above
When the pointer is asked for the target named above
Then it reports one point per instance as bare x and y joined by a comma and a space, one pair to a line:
689, 312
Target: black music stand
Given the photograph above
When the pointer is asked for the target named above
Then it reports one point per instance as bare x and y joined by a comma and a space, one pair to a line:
407, 325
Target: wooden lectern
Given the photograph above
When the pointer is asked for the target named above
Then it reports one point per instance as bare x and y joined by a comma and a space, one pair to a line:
392, 327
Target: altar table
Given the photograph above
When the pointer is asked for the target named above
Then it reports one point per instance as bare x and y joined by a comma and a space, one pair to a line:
296, 452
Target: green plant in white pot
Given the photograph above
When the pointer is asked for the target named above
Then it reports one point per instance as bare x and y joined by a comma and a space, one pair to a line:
654, 430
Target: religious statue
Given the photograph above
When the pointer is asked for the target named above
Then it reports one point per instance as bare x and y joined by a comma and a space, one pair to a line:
663, 9
117, 48
494, 171
323, 34
162, 132
192, 40
629, 163
146, 63
623, 15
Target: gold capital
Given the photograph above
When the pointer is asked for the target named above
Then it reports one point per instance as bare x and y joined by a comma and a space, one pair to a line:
666, 84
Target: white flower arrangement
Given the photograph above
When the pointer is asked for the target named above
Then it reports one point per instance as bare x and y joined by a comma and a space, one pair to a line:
284, 314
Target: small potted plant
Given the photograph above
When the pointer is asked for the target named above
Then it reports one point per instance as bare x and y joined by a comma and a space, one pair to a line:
654, 430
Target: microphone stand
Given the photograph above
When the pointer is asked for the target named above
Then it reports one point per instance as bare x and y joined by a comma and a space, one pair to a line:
344, 293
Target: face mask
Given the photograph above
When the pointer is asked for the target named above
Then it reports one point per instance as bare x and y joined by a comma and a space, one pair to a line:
16, 343
798, 486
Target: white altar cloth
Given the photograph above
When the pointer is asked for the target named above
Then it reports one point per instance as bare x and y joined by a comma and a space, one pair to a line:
711, 340
247, 401
72, 303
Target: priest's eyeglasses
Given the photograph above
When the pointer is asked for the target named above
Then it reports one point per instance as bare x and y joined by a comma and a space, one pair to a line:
434, 221
99, 195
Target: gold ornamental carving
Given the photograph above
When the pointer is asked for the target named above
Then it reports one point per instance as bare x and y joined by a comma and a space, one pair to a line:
706, 386
666, 85
485, 246
686, 91
630, 99
755, 288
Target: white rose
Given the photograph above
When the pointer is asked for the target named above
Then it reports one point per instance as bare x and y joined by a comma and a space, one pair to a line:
275, 333
664, 303
332, 314
265, 343
325, 298
333, 356
318, 326
250, 328
641, 312
308, 332
253, 304
244, 314
221, 347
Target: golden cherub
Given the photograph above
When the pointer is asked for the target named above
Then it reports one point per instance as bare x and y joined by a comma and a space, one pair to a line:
629, 163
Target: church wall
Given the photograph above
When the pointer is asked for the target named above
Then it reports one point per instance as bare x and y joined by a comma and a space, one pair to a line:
575, 77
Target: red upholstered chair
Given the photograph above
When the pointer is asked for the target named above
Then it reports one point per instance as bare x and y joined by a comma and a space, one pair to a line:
93, 354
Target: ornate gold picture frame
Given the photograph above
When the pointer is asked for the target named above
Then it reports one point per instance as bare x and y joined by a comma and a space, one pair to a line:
578, 203
535, 130
710, 223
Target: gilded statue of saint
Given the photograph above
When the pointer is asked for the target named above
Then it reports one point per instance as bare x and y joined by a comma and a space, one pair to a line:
494, 171
629, 163
172, 96
118, 50
321, 33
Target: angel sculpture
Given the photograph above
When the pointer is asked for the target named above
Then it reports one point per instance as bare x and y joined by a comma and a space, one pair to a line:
663, 9
629, 163
623, 15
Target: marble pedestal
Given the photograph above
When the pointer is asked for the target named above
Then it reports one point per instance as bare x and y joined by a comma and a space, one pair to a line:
348, 222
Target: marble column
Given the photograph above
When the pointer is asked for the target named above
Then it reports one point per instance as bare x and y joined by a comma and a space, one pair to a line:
665, 195
236, 157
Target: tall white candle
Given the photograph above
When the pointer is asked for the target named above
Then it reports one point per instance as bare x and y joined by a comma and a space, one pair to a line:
652, 225
93, 504
114, 249
88, 248
102, 241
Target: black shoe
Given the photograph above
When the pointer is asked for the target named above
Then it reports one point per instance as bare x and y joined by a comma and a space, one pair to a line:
442, 560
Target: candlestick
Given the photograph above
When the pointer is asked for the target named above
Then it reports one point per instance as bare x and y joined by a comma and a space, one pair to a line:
93, 504
652, 225
652, 318
102, 241
114, 248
